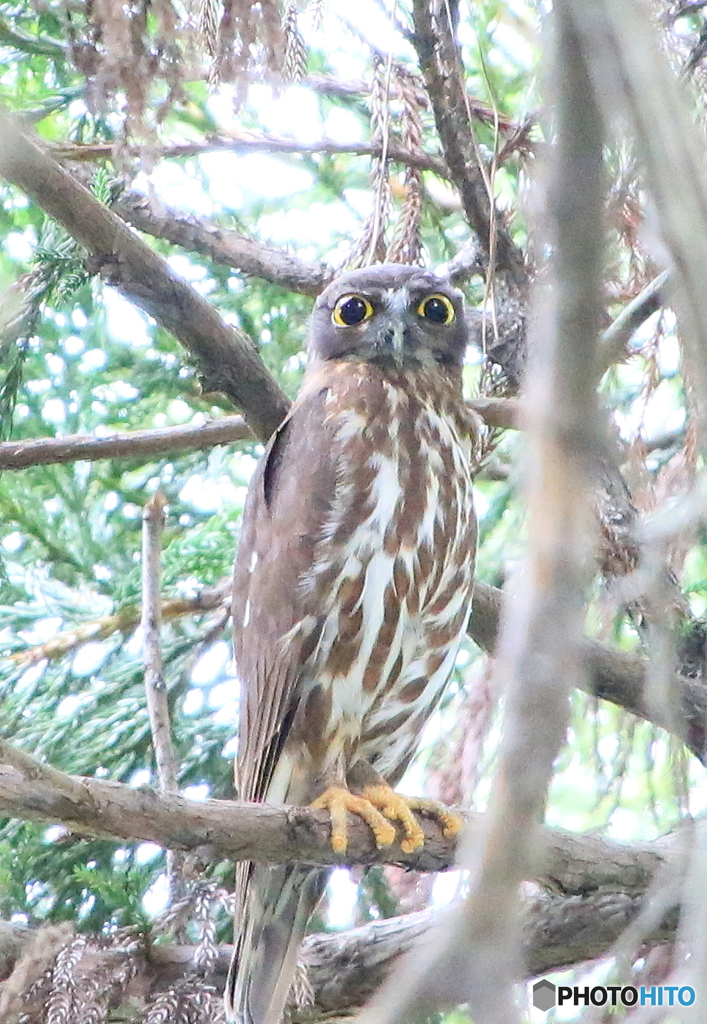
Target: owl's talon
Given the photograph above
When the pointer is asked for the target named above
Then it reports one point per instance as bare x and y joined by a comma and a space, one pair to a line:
400, 808
338, 801
450, 822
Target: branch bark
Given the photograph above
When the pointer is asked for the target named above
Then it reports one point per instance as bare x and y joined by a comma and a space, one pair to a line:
227, 357
221, 245
345, 969
276, 835
137, 444
507, 276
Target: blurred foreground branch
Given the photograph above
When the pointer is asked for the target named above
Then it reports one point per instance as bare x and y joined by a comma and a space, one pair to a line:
476, 957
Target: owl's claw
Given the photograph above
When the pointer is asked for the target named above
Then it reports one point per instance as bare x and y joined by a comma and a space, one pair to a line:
400, 808
380, 805
338, 801
450, 822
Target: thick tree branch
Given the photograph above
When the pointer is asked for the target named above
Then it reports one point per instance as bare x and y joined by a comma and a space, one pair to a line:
222, 245
227, 356
258, 832
345, 969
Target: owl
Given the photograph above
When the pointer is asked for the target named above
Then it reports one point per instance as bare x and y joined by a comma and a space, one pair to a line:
352, 592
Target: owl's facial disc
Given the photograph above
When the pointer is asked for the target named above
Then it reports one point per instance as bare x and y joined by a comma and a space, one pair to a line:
391, 313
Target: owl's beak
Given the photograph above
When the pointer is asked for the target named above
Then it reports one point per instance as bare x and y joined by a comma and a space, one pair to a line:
393, 335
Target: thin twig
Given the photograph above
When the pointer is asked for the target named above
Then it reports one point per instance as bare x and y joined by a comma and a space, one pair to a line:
123, 621
615, 338
265, 144
155, 686
151, 622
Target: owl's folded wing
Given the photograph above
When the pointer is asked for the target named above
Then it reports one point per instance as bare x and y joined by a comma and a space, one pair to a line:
288, 503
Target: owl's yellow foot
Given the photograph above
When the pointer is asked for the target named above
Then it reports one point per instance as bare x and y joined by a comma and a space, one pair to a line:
338, 801
400, 808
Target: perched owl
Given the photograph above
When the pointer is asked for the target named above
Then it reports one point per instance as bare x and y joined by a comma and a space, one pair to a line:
352, 591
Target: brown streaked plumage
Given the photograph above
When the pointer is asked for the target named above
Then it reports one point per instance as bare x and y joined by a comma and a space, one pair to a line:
352, 590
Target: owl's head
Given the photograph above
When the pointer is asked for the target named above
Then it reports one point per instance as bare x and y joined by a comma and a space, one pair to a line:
390, 313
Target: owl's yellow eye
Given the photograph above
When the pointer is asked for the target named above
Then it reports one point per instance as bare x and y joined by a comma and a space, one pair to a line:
438, 309
351, 310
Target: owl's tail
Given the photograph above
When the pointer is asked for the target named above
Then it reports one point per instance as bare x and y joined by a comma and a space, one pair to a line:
273, 905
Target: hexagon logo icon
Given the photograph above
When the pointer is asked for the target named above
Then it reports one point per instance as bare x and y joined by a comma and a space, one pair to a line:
544, 995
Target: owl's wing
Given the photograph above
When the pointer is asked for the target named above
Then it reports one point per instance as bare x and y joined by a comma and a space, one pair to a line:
288, 502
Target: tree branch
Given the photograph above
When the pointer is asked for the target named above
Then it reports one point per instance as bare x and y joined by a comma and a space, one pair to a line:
221, 245
227, 356
440, 64
345, 969
612, 675
262, 144
151, 622
155, 686
136, 444
123, 622
617, 336
47, 451
507, 277
277, 835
